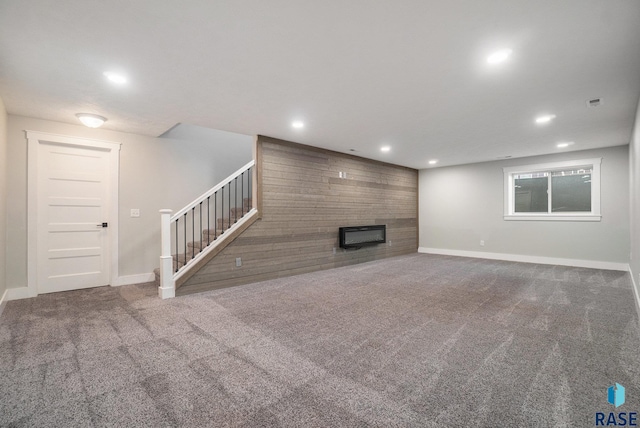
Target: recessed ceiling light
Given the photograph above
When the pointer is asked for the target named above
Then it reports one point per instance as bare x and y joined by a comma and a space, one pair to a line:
433, 161
385, 149
115, 77
499, 56
564, 144
545, 118
297, 124
91, 120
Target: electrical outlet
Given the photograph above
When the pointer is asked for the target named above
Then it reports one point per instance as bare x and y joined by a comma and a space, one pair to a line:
135, 212
334, 251
390, 244
482, 243
238, 261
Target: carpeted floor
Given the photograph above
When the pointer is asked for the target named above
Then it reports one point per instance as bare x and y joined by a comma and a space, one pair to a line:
420, 340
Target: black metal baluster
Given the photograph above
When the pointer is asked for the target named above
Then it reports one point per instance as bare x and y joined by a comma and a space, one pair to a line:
242, 192
215, 214
235, 201
185, 238
208, 217
250, 193
229, 205
176, 260
222, 213
193, 230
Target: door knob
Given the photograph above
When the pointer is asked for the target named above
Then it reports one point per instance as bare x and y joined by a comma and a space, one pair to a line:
103, 225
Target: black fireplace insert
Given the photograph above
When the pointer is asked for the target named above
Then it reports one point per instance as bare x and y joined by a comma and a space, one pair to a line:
358, 236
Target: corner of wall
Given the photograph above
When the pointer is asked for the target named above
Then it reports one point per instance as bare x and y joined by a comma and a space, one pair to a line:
3, 202
634, 205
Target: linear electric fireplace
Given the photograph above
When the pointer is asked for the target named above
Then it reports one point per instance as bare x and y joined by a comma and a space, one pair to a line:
359, 236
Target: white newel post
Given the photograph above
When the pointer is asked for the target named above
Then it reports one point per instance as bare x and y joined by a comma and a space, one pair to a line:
167, 288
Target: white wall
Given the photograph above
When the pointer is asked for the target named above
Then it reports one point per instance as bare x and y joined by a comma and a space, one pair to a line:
155, 173
3, 198
634, 180
462, 205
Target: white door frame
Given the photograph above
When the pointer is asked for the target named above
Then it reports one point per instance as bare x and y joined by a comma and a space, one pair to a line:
34, 139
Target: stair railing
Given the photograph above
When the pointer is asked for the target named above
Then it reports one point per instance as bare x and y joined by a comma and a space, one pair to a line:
215, 213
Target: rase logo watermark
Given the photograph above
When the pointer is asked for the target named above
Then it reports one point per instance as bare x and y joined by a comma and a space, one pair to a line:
616, 397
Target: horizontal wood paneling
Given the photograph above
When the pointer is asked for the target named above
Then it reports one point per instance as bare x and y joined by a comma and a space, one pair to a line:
303, 203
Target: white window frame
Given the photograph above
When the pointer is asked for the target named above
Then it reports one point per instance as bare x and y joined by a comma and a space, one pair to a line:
509, 194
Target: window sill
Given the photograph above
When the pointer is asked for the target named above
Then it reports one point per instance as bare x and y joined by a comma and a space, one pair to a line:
552, 217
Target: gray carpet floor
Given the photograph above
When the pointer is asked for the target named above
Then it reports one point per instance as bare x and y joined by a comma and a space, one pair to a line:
419, 340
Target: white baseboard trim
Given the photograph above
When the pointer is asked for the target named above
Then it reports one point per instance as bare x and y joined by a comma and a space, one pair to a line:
3, 302
18, 293
636, 292
134, 279
24, 292
593, 264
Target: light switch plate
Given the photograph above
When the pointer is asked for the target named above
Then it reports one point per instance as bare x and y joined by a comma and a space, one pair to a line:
135, 212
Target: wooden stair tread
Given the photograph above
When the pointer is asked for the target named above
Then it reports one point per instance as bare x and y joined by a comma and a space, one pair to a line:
200, 245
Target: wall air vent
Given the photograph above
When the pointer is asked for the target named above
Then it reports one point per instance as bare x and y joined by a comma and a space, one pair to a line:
596, 102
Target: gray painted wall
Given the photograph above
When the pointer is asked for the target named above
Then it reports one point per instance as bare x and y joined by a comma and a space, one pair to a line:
3, 197
461, 205
634, 175
155, 173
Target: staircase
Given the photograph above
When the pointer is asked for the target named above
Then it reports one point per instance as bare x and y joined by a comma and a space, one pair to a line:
218, 216
209, 236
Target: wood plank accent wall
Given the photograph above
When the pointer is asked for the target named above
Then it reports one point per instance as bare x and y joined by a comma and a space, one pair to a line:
303, 204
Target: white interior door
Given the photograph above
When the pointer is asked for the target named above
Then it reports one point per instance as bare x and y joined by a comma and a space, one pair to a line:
72, 204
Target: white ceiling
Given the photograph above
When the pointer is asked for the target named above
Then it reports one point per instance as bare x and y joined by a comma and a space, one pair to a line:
411, 74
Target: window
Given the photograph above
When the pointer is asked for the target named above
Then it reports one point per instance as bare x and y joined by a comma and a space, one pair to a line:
568, 191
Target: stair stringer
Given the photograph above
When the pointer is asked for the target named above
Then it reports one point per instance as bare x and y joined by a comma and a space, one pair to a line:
216, 247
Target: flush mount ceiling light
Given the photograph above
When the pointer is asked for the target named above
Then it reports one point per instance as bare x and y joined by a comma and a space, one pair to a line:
91, 120
433, 161
115, 77
564, 144
297, 124
499, 56
546, 118
385, 149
